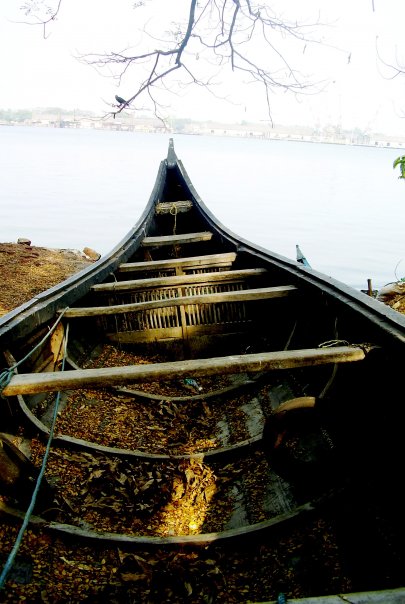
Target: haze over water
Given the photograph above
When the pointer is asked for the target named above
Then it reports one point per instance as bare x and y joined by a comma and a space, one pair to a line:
343, 205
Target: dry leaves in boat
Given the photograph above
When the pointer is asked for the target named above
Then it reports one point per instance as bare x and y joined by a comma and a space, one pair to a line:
179, 497
191, 426
124, 422
73, 572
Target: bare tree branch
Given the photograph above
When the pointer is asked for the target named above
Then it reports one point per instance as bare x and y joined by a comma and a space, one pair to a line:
244, 36
392, 71
41, 13
395, 70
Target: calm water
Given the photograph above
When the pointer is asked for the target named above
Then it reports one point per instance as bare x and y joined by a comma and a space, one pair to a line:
344, 206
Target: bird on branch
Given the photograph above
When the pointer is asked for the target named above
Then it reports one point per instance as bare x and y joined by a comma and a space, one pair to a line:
120, 100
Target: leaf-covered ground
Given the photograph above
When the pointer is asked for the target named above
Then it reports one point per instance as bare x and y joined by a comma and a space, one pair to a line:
27, 270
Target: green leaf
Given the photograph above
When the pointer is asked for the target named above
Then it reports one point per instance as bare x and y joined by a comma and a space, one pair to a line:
400, 161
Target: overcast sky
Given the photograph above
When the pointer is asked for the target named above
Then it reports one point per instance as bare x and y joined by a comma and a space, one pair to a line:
38, 72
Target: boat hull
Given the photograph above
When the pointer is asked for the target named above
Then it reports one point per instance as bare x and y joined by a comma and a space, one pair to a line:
189, 362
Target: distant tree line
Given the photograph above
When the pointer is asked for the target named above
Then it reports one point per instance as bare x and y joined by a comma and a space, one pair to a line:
20, 115
15, 115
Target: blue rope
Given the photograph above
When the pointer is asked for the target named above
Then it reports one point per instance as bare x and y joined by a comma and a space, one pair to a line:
5, 377
7, 374
10, 561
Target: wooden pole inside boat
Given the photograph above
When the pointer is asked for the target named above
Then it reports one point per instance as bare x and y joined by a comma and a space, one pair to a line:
286, 359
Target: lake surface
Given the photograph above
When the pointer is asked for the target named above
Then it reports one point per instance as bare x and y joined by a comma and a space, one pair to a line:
343, 205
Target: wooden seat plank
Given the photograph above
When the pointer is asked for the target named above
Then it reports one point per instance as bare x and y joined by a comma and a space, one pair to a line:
178, 280
110, 376
245, 295
193, 261
176, 239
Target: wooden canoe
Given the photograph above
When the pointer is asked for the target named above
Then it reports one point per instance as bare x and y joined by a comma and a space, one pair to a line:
189, 362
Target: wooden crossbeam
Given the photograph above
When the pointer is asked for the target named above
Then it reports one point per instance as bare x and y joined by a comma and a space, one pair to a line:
176, 239
245, 295
178, 280
210, 260
173, 207
89, 378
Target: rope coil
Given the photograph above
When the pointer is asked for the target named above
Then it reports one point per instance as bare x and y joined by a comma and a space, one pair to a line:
5, 378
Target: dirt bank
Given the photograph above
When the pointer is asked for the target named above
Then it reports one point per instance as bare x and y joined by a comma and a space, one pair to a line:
27, 270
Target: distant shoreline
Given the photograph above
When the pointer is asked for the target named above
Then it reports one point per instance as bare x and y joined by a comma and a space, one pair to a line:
80, 119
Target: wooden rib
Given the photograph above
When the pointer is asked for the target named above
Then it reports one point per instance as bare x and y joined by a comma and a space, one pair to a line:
190, 262
200, 539
228, 452
246, 295
70, 442
266, 361
176, 239
213, 394
220, 454
178, 280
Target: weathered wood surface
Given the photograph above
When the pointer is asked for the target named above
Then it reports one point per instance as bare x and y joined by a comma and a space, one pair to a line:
176, 239
18, 475
301, 402
173, 207
246, 295
15, 467
266, 361
213, 394
205, 261
178, 280
179, 333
